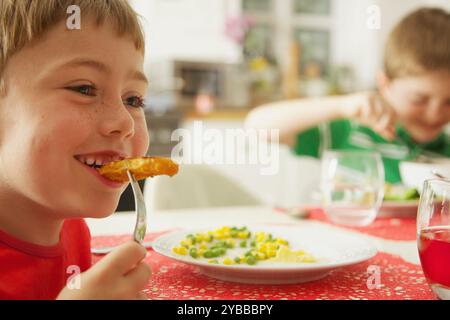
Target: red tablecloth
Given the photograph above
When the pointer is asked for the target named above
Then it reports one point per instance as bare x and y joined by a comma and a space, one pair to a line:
383, 227
175, 280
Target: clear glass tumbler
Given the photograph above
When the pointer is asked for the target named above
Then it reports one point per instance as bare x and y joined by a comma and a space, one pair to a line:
352, 184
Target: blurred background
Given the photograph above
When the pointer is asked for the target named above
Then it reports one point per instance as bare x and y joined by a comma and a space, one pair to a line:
214, 60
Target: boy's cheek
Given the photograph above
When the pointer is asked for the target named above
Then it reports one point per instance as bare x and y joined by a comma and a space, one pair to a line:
403, 111
142, 140
406, 110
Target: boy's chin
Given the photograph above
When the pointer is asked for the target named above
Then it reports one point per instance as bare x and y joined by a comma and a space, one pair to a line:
424, 135
100, 214
98, 211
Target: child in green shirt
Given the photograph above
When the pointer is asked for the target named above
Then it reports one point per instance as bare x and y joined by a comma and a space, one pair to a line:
404, 119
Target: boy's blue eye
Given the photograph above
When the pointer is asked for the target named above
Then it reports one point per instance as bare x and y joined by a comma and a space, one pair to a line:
87, 90
91, 91
135, 102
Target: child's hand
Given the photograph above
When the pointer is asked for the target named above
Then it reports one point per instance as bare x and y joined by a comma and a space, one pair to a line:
371, 110
120, 275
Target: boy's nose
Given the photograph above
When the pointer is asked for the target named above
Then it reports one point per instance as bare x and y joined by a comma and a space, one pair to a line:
116, 120
436, 112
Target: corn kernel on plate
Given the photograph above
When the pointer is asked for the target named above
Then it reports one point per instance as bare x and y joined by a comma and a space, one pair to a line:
264, 254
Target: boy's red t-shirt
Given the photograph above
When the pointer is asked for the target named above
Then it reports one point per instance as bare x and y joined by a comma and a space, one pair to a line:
29, 271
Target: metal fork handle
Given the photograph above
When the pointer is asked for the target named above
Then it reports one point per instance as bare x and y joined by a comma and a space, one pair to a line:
141, 213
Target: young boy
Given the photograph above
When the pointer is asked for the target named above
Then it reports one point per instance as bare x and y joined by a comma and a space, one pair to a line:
69, 98
404, 119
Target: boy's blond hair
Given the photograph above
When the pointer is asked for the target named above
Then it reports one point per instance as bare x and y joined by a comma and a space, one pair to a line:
419, 43
23, 21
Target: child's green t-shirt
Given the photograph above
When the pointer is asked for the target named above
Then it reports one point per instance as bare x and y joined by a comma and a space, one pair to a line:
348, 135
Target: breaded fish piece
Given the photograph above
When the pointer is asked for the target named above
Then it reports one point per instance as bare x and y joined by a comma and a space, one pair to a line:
141, 168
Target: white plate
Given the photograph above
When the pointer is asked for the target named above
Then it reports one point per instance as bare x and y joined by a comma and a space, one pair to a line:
399, 208
332, 249
413, 174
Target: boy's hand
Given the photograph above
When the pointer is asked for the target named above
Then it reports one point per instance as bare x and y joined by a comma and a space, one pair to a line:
120, 275
371, 110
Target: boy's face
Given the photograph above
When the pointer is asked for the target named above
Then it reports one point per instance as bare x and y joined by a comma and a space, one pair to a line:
422, 103
73, 96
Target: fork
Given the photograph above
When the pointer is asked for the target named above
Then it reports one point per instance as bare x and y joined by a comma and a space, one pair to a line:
141, 213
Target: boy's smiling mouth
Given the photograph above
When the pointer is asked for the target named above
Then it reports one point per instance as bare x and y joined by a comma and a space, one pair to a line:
98, 159
95, 160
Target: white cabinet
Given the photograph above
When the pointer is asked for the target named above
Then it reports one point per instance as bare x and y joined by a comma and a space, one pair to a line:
186, 30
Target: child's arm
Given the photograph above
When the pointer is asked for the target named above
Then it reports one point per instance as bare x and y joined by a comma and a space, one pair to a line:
120, 275
293, 117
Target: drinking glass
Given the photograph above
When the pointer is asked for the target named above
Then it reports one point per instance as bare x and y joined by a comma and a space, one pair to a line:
433, 235
352, 186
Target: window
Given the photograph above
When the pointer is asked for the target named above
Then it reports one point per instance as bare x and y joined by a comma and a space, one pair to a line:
256, 6
258, 42
314, 50
259, 39
279, 24
318, 7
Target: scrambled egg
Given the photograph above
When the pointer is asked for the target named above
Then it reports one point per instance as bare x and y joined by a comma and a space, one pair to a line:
284, 254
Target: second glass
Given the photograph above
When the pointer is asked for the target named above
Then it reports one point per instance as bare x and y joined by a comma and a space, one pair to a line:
433, 235
352, 186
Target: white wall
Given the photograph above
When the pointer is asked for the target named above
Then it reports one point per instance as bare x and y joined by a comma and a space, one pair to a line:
186, 29
354, 44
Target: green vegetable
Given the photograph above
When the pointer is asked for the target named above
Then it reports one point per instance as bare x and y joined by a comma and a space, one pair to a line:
400, 193
230, 245
217, 252
193, 253
208, 254
249, 253
219, 244
251, 260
